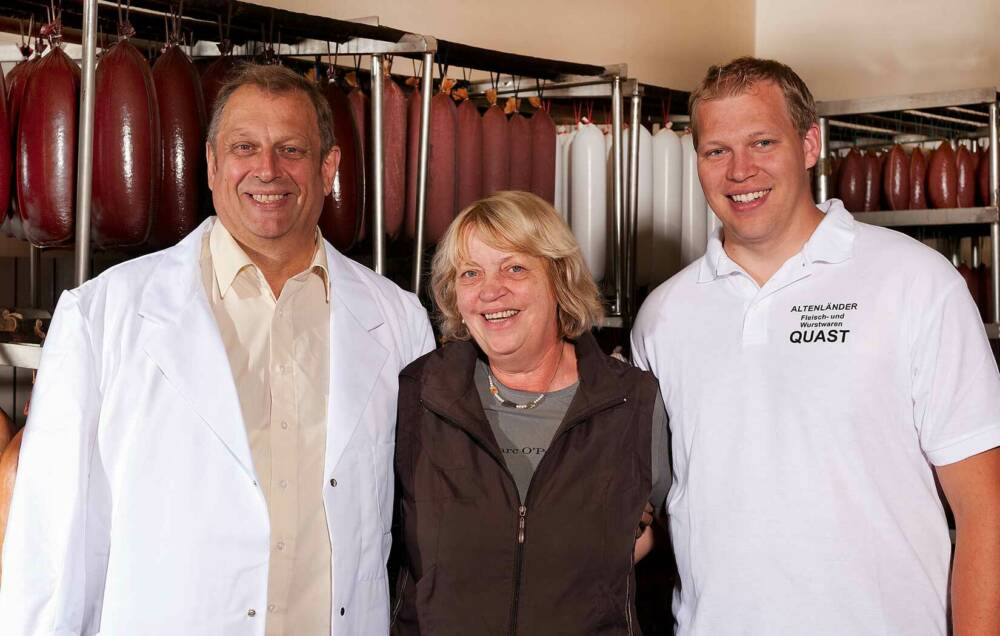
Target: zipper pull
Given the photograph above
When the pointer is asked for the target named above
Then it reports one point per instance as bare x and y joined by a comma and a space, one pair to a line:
521, 512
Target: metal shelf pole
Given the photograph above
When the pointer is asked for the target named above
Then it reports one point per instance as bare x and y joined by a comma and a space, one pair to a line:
616, 193
85, 143
378, 210
633, 205
425, 117
994, 201
824, 166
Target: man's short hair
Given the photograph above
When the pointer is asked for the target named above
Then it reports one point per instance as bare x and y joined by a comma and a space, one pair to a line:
518, 222
741, 75
276, 80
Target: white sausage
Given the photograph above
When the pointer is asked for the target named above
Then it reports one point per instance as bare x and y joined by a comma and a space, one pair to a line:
557, 202
644, 212
668, 174
694, 222
588, 196
567, 170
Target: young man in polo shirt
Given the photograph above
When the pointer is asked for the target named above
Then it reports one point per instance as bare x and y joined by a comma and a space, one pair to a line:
817, 373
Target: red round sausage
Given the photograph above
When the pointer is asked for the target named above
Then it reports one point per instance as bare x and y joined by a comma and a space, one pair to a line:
361, 116
942, 177
126, 148
851, 182
469, 169
341, 218
412, 159
441, 156
918, 180
212, 79
896, 179
181, 109
16, 82
496, 151
6, 151
872, 182
393, 156
983, 179
543, 155
520, 152
46, 150
965, 178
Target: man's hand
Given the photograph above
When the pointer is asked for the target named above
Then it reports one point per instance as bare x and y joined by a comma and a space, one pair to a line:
643, 534
972, 487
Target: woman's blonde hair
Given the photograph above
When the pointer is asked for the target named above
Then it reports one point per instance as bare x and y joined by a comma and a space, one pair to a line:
518, 222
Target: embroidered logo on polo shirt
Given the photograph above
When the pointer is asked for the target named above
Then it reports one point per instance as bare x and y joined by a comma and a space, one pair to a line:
822, 323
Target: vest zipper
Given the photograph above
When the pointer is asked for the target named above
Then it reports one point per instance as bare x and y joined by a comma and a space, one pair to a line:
522, 513
628, 592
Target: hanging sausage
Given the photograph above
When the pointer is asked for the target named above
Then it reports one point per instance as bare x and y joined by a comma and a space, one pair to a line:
942, 177
341, 219
543, 152
965, 181
126, 146
694, 220
983, 180
496, 147
181, 110
520, 148
644, 210
46, 147
16, 82
6, 152
565, 152
851, 184
469, 162
588, 200
668, 175
896, 179
871, 182
441, 154
412, 154
393, 155
215, 75
361, 116
918, 180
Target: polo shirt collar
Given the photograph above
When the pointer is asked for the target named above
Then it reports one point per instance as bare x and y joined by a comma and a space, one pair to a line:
831, 242
229, 259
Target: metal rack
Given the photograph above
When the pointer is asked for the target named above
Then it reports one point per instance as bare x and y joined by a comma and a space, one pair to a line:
947, 114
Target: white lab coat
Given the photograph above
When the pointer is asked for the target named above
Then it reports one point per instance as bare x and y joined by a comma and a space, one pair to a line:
136, 509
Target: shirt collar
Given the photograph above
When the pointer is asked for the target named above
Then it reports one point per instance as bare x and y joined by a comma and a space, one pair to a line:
229, 259
831, 242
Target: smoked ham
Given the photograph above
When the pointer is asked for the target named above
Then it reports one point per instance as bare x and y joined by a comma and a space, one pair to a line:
965, 178
850, 185
896, 179
543, 155
469, 160
341, 219
496, 151
942, 177
520, 152
181, 109
46, 150
918, 180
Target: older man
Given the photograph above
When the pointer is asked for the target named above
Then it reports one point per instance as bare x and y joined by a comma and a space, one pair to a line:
211, 438
817, 373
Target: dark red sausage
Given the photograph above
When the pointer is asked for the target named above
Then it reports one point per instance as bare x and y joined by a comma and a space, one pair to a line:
361, 116
441, 167
834, 177
126, 148
393, 156
212, 79
469, 169
942, 177
6, 151
971, 280
496, 151
983, 179
16, 81
181, 110
965, 178
520, 152
412, 158
341, 216
46, 150
918, 180
896, 178
543, 155
851, 183
872, 182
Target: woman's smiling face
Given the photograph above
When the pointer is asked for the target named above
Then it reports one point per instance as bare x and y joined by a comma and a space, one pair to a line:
507, 301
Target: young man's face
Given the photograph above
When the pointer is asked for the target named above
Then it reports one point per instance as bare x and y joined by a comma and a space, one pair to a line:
752, 163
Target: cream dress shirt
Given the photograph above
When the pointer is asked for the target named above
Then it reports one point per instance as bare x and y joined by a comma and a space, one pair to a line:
279, 353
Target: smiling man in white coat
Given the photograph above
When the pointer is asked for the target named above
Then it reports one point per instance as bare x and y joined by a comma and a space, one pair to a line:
209, 450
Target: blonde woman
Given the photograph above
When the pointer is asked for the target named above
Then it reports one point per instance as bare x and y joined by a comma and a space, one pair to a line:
525, 456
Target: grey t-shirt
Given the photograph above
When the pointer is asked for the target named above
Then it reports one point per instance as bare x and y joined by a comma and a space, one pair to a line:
525, 434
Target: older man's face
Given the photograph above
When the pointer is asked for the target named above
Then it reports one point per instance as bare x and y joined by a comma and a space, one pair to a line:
266, 172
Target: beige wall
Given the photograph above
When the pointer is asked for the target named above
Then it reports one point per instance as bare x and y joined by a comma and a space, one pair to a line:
864, 48
664, 42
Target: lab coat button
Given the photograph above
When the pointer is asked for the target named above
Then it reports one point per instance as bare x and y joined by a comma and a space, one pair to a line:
341, 611
251, 612
333, 482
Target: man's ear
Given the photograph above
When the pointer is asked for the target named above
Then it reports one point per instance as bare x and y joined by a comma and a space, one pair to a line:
810, 146
210, 158
329, 169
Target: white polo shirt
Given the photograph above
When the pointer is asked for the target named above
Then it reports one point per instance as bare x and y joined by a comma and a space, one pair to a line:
805, 416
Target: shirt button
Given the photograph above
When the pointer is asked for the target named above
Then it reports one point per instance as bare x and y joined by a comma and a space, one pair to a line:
281, 545
284, 424
271, 607
251, 612
283, 483
333, 482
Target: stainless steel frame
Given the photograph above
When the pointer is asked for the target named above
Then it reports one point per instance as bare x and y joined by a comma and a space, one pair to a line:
85, 143
425, 117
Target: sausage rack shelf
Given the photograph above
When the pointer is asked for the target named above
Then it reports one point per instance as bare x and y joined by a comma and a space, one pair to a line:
970, 113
